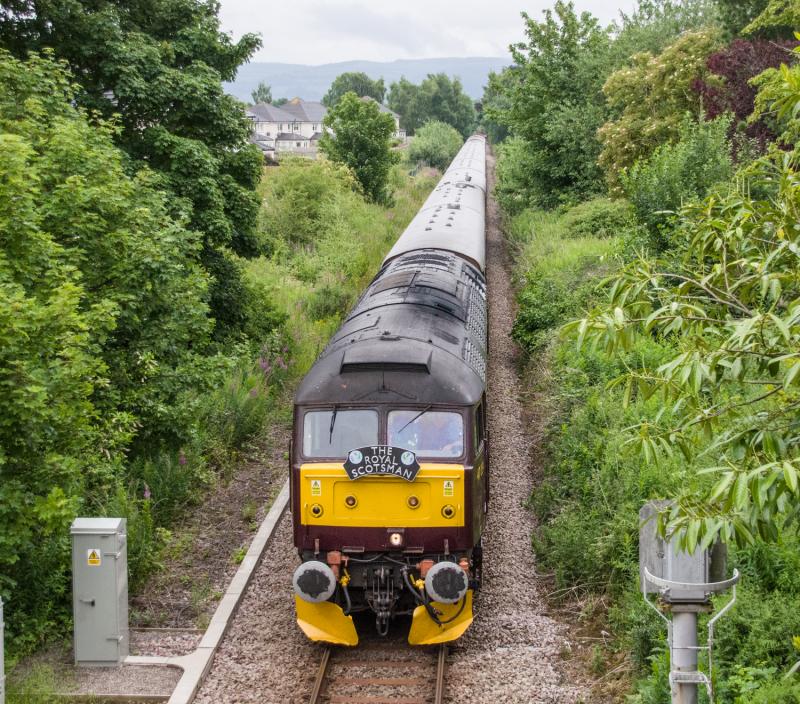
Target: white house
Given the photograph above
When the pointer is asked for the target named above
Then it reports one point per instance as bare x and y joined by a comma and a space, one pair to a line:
296, 126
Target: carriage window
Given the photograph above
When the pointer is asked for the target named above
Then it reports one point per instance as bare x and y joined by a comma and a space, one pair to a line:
326, 435
428, 433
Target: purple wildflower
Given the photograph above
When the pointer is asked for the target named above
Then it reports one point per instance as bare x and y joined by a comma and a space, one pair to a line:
181, 459
146, 491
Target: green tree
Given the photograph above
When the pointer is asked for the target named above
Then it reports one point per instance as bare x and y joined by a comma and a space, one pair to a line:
780, 18
359, 83
650, 97
104, 327
495, 102
361, 137
435, 144
262, 93
737, 14
655, 24
779, 98
678, 173
158, 65
438, 98
555, 102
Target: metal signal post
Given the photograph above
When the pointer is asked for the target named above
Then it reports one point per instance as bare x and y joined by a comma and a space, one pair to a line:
683, 584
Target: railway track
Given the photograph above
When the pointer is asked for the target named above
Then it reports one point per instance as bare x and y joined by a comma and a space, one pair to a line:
388, 676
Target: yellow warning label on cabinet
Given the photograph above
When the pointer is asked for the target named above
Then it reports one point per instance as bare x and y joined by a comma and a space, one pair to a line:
316, 487
94, 557
448, 487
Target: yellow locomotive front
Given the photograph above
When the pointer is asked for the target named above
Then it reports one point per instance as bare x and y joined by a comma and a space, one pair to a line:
388, 514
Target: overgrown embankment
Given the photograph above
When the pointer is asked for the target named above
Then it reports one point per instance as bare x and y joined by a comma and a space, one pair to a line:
595, 477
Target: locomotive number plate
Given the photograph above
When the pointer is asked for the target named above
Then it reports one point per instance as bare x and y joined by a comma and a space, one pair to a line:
381, 460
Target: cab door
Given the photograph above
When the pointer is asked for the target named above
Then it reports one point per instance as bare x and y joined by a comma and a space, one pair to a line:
480, 503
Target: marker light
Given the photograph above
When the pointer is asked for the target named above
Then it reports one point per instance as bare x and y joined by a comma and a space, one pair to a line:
396, 540
316, 510
413, 502
448, 511
350, 501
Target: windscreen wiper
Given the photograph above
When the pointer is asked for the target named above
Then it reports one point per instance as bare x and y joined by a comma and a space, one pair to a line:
333, 422
415, 418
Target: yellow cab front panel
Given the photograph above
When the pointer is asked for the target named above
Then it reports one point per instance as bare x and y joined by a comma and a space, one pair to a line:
329, 497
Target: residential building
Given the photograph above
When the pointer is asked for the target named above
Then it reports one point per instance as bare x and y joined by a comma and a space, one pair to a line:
296, 126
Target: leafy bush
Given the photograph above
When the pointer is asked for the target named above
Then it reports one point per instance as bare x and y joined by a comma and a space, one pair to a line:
600, 217
678, 173
728, 88
435, 144
294, 197
548, 293
650, 97
516, 183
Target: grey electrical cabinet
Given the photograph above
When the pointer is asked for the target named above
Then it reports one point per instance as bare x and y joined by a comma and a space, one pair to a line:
100, 590
664, 559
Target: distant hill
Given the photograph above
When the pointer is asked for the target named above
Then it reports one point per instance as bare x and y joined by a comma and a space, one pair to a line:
311, 82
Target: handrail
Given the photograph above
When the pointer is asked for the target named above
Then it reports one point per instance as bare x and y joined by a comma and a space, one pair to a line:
705, 586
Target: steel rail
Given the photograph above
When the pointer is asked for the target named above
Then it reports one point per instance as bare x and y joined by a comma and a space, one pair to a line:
441, 667
320, 678
319, 693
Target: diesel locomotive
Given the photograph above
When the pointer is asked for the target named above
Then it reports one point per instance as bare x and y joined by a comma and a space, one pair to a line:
389, 457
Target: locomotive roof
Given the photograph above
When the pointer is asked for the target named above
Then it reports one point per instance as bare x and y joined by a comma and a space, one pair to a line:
416, 336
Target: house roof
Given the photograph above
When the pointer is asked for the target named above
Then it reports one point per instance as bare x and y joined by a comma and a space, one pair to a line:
305, 110
270, 113
263, 145
291, 137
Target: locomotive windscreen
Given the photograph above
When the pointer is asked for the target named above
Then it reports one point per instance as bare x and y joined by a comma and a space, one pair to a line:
427, 433
334, 433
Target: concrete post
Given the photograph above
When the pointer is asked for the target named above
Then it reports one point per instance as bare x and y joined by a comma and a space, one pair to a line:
684, 654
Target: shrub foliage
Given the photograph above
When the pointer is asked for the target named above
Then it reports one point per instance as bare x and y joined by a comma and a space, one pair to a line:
435, 144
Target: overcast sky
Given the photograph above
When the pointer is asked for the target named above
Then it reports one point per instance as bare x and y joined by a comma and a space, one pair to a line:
326, 31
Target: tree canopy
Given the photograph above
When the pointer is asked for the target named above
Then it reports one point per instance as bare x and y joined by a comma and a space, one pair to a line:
438, 98
360, 137
357, 82
262, 93
158, 66
554, 100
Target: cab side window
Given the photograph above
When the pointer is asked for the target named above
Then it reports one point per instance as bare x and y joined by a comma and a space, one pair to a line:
480, 424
